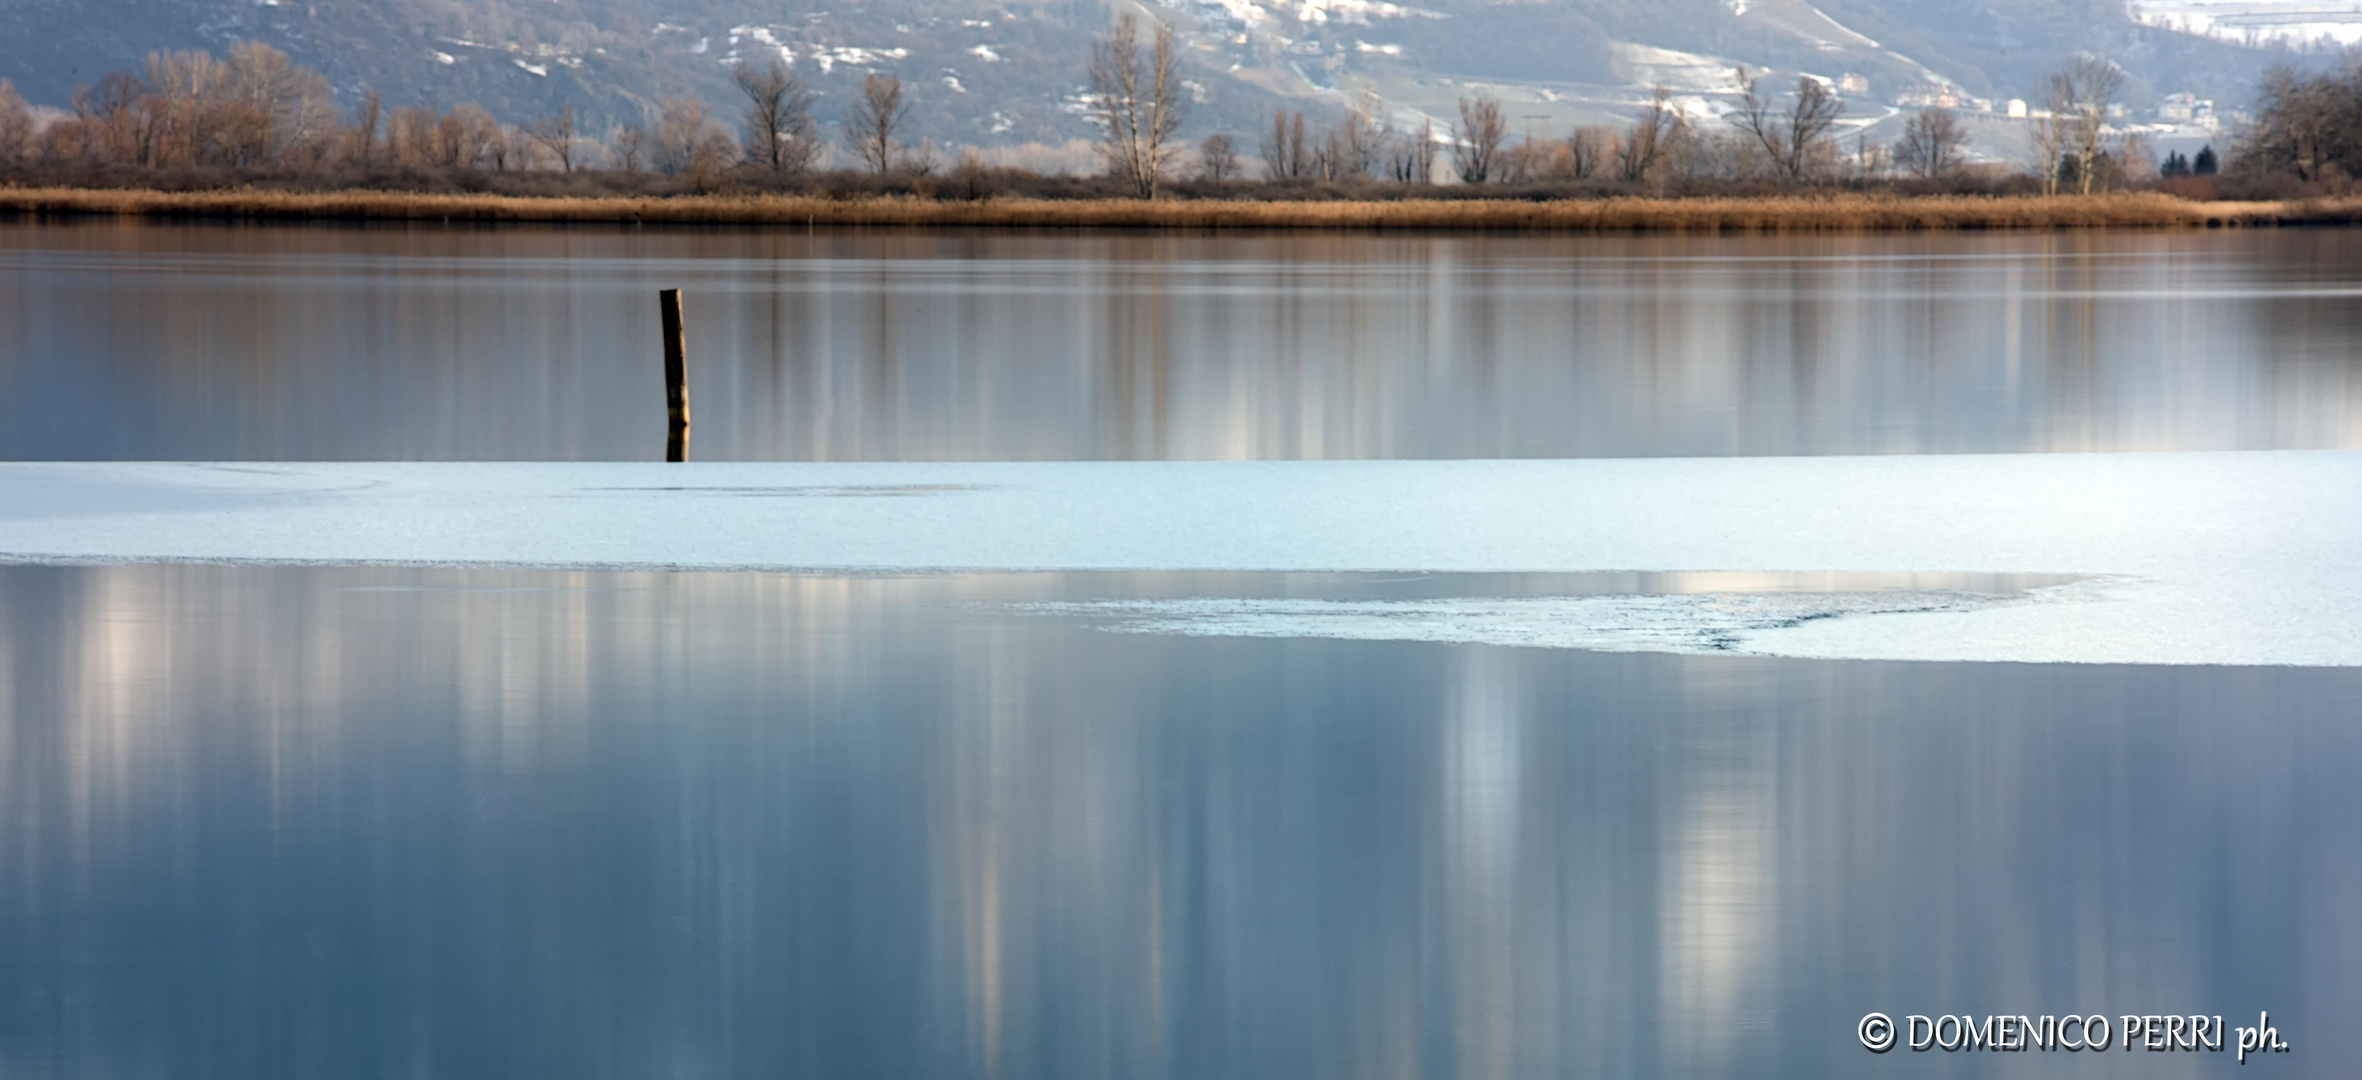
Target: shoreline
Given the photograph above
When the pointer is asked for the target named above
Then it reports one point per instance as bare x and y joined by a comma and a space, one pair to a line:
1771, 214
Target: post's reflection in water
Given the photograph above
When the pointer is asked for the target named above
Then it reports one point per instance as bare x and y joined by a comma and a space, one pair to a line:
356, 822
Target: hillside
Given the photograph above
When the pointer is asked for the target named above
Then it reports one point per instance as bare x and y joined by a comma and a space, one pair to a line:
1003, 73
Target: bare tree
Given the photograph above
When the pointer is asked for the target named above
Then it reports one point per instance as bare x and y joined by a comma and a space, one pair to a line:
556, 134
974, 175
2047, 141
1589, 150
780, 134
73, 139
1217, 158
2081, 94
716, 151
680, 123
1410, 156
1645, 147
1287, 151
1139, 101
2135, 160
1931, 143
1357, 147
16, 126
629, 145
184, 98
368, 114
509, 147
875, 117
923, 159
1797, 139
464, 137
1476, 142
122, 130
2306, 126
688, 141
410, 136
1874, 159
2070, 142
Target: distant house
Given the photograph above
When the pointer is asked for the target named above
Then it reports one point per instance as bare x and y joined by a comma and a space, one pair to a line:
1853, 84
1930, 96
2185, 107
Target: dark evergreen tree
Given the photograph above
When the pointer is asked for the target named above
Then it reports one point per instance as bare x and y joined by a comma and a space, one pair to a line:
2205, 164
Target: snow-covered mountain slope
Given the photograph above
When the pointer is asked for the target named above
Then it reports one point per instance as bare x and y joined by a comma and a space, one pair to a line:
989, 72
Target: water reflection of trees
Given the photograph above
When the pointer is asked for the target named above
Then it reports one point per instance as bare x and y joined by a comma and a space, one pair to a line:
995, 346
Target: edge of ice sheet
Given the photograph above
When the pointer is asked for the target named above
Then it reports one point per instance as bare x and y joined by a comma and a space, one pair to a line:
1712, 622
2206, 558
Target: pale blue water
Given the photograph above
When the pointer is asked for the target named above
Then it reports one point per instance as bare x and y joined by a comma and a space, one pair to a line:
377, 823
129, 340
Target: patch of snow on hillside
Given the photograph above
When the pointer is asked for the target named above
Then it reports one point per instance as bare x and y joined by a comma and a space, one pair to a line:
1356, 12
445, 58
856, 56
761, 35
1647, 65
2255, 24
1846, 35
1804, 21
953, 81
531, 69
985, 51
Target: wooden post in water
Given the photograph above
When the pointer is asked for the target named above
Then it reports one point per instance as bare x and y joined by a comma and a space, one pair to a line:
676, 377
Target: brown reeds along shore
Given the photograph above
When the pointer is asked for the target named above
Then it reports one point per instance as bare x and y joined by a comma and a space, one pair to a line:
1797, 213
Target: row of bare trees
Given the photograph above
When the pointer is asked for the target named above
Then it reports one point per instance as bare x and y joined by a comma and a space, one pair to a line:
1360, 146
1790, 141
2307, 127
249, 109
256, 109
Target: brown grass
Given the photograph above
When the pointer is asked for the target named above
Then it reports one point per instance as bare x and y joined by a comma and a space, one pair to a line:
1803, 213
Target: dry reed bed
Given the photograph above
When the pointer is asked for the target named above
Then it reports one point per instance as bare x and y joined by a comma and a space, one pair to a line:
1826, 213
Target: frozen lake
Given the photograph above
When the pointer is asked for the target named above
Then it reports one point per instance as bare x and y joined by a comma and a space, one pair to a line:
1131, 765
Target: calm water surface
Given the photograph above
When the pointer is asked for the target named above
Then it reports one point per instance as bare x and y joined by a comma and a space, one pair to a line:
370, 823
375, 823
130, 340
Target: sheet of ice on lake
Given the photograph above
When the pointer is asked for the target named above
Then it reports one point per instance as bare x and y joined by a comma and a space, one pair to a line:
1685, 623
2194, 558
